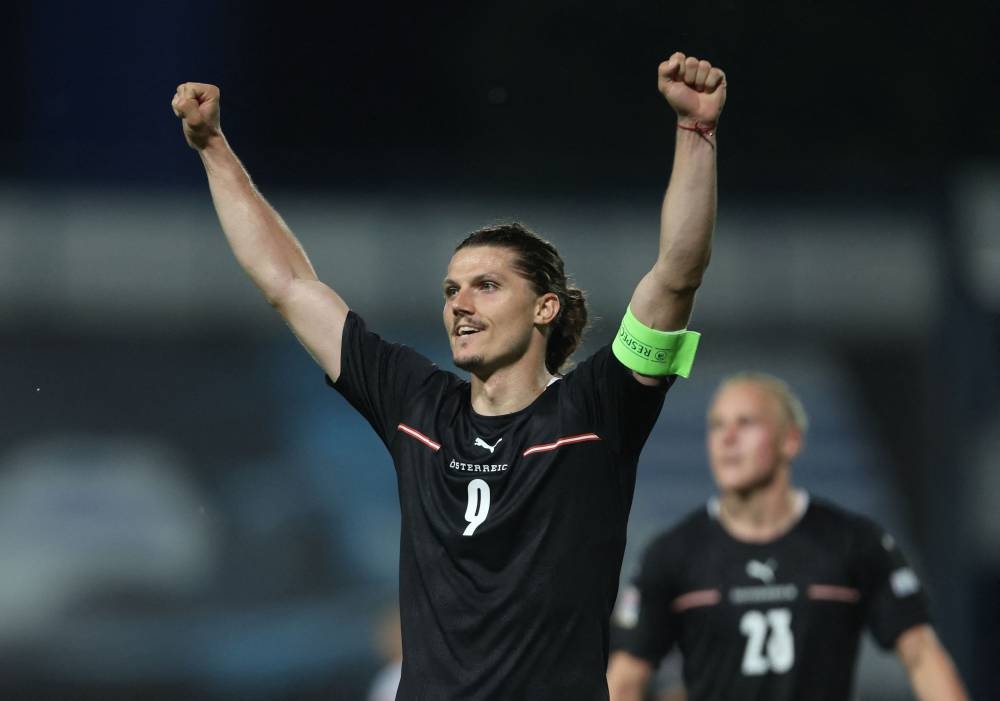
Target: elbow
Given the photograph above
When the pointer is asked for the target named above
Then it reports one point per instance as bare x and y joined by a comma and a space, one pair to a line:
681, 278
275, 279
916, 645
684, 286
681, 286
276, 289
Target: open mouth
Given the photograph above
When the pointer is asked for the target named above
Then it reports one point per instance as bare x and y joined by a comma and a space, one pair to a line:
466, 330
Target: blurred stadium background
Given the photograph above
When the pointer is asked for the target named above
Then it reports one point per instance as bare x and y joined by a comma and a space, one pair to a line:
187, 512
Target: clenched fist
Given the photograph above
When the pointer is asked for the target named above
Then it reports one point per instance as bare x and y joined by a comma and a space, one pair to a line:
197, 105
695, 89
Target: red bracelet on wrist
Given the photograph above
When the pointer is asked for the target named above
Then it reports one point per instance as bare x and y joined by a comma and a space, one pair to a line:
703, 130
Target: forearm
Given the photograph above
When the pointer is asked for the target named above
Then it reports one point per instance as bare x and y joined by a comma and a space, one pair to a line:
933, 676
665, 297
936, 679
628, 677
697, 93
626, 689
261, 241
687, 218
626, 692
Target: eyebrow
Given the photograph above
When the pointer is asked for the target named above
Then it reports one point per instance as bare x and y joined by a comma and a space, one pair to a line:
478, 278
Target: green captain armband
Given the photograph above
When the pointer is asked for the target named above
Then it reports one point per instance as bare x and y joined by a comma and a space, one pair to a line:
655, 353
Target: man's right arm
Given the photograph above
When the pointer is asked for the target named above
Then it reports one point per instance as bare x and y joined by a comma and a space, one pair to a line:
261, 241
645, 627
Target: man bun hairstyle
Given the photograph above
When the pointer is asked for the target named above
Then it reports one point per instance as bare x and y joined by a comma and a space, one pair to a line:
539, 263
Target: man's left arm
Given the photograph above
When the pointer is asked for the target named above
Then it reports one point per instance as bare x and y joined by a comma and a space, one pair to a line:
899, 618
664, 298
932, 673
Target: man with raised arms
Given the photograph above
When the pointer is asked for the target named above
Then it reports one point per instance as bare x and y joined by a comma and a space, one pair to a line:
507, 574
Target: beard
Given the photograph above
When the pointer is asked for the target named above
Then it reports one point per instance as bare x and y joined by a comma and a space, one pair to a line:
477, 364
470, 364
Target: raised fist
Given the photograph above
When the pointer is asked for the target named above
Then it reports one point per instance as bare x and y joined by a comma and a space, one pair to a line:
197, 105
695, 89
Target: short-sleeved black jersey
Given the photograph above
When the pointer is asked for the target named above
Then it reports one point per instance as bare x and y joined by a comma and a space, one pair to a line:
779, 621
513, 527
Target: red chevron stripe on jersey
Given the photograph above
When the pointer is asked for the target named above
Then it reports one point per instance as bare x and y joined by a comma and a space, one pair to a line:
832, 592
545, 447
694, 599
410, 431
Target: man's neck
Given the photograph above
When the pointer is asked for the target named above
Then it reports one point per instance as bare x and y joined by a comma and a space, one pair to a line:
763, 514
509, 389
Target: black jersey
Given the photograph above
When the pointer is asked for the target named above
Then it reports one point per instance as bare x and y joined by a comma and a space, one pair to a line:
513, 527
779, 621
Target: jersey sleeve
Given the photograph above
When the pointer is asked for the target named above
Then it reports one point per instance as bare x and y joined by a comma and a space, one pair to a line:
622, 409
894, 594
377, 377
644, 623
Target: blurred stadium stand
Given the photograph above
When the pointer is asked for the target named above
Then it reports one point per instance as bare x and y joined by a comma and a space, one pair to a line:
155, 352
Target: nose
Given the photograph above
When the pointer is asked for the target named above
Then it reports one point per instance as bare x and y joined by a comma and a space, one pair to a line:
461, 303
728, 434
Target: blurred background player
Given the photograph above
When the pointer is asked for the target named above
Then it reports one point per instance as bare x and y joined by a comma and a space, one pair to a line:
514, 486
766, 591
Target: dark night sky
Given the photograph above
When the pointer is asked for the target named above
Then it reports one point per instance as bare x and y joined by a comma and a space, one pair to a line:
524, 94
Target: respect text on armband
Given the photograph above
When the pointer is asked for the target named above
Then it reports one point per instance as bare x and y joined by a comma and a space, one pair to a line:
640, 348
476, 467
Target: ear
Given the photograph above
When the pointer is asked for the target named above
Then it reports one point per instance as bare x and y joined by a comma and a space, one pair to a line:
547, 308
791, 444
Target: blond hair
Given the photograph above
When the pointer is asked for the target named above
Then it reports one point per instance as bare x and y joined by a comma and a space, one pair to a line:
790, 404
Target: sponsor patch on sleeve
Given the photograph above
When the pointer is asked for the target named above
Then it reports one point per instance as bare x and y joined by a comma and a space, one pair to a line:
626, 613
904, 582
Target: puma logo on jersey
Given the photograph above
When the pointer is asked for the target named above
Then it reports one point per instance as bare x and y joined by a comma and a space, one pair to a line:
480, 443
764, 571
